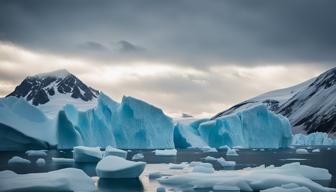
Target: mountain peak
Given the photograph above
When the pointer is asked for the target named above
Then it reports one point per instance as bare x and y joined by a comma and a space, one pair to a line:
59, 85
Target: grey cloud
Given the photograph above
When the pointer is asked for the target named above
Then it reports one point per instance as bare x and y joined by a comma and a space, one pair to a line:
127, 47
188, 32
92, 46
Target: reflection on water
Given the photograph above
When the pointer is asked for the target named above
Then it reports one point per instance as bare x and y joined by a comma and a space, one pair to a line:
106, 185
246, 158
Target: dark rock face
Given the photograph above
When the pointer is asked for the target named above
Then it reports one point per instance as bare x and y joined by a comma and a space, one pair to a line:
39, 89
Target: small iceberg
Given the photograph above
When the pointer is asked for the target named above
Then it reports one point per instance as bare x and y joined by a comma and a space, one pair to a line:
231, 152
69, 179
138, 156
114, 151
36, 153
165, 152
301, 151
316, 150
117, 167
203, 169
40, 162
178, 166
209, 158
18, 160
225, 163
84, 154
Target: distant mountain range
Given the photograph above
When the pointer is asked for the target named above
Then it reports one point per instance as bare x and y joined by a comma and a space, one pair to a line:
309, 106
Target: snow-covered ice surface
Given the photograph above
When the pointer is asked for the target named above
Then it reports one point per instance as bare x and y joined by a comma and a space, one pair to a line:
87, 154
248, 179
117, 167
69, 179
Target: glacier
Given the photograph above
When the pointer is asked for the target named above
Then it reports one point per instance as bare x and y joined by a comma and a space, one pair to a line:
256, 127
131, 124
317, 138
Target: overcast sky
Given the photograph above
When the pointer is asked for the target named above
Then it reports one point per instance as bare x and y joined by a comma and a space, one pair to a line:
196, 57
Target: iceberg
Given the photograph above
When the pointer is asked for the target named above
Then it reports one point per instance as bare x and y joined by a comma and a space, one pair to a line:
117, 167
225, 163
255, 127
69, 179
166, 152
24, 126
231, 152
40, 162
18, 160
114, 151
130, 124
316, 138
84, 154
138, 156
36, 153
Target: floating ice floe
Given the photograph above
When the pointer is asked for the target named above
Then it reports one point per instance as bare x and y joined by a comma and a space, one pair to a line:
114, 151
84, 154
40, 162
231, 152
226, 163
69, 179
138, 156
18, 160
316, 150
203, 169
62, 160
283, 189
36, 153
178, 166
209, 158
290, 177
301, 151
117, 167
165, 152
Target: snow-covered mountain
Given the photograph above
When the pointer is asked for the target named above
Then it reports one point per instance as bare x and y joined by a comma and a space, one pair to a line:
309, 106
51, 91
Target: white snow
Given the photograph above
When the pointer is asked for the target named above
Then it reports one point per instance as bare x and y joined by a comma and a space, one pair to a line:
165, 152
138, 156
36, 153
40, 162
18, 160
114, 151
117, 167
69, 179
87, 154
302, 151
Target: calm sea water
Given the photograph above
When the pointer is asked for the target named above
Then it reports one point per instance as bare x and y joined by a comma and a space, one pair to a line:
247, 158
